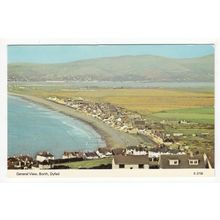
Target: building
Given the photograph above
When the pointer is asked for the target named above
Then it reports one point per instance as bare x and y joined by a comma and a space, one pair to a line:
164, 150
140, 124
44, 156
118, 151
46, 165
14, 163
157, 151
91, 155
70, 155
26, 161
130, 162
136, 150
168, 141
182, 162
104, 152
177, 134
20, 162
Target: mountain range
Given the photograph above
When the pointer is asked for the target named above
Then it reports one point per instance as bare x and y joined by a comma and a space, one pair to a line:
123, 68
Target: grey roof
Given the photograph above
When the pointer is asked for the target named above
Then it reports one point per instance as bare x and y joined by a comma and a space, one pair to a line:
162, 149
183, 161
45, 154
131, 159
91, 154
117, 151
73, 153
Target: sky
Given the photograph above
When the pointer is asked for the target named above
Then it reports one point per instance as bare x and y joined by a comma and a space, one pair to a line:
68, 53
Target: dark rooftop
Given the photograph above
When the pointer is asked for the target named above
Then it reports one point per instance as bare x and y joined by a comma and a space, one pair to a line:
137, 148
104, 150
118, 151
131, 159
45, 154
91, 154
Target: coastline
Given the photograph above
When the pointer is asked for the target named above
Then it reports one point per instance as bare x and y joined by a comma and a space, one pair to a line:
112, 137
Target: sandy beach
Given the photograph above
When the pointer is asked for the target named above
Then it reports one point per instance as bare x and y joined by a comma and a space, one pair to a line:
112, 137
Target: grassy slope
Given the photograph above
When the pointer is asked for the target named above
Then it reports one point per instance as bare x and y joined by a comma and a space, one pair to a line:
88, 163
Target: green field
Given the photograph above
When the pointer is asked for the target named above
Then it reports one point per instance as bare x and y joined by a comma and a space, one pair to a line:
88, 163
202, 115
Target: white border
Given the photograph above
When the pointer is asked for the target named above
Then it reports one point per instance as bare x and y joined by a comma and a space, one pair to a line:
108, 41
3, 110
217, 108
3, 116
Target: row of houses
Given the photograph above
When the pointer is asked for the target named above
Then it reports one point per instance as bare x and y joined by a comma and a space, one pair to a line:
132, 157
114, 116
101, 152
46, 160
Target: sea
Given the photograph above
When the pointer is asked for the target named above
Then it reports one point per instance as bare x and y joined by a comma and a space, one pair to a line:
33, 128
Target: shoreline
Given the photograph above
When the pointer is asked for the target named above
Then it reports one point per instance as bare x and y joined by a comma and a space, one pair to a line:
112, 137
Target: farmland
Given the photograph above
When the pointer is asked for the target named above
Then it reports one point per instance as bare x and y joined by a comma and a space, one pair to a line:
202, 115
171, 104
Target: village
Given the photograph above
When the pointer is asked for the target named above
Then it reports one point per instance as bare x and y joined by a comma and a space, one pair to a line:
165, 153
118, 118
133, 123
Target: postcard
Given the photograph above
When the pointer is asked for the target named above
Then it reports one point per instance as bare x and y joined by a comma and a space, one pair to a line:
110, 110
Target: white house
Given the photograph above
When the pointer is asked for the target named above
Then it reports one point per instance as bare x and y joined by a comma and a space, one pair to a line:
177, 134
104, 152
44, 156
130, 162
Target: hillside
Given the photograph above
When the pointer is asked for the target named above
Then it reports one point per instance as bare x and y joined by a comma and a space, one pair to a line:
124, 68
